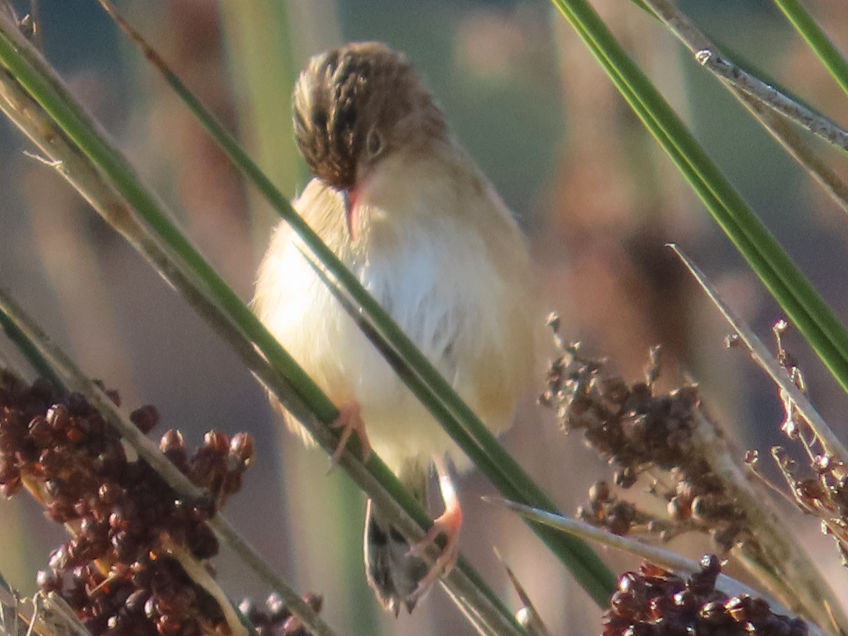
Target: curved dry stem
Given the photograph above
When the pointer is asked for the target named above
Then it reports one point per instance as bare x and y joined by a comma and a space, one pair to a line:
652, 553
760, 103
708, 55
831, 444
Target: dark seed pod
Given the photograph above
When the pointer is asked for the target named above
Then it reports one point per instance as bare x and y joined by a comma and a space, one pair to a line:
145, 418
656, 601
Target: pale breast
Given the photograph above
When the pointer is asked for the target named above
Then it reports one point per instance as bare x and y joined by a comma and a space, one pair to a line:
438, 277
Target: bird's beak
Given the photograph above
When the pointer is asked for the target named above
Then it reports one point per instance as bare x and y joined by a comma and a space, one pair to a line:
349, 204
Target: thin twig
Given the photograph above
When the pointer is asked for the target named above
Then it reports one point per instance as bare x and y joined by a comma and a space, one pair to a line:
707, 54
816, 123
762, 356
527, 615
787, 136
773, 120
652, 553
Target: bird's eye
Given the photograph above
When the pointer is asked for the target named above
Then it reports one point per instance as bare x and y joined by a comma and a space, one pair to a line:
374, 143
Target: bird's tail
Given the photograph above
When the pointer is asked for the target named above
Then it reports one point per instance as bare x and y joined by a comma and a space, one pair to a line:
392, 572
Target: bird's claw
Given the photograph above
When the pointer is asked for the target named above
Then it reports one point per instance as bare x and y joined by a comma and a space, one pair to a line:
350, 421
449, 525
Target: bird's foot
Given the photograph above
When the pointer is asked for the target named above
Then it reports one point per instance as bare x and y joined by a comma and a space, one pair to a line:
350, 422
449, 523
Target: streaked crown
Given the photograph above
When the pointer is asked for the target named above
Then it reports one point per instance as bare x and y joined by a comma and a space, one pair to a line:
357, 103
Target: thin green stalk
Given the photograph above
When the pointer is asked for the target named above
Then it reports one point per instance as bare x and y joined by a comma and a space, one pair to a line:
32, 355
790, 288
817, 39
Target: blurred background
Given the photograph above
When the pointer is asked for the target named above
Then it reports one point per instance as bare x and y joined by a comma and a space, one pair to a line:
595, 195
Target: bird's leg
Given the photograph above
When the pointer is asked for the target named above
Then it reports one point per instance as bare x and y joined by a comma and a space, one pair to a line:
350, 421
448, 524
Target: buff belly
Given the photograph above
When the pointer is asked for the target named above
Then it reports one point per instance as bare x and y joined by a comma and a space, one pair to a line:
446, 321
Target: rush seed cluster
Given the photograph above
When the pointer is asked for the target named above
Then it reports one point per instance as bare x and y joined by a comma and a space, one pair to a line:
641, 431
121, 569
655, 602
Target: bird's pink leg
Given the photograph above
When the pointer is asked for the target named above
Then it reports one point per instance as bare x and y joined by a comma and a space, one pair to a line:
448, 524
350, 421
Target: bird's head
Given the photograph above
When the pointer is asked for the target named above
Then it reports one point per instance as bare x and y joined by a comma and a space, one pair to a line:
356, 105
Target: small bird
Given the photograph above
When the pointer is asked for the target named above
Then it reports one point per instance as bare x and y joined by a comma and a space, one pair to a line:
410, 214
